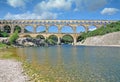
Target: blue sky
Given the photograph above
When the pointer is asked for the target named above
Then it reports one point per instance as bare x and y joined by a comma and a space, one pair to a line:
60, 9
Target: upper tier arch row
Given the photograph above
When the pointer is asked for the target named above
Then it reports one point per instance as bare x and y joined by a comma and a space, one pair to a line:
56, 22
47, 23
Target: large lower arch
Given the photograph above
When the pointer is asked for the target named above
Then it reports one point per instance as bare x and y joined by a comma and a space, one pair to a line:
80, 29
52, 39
7, 29
28, 29
67, 29
40, 37
17, 28
53, 29
41, 29
67, 39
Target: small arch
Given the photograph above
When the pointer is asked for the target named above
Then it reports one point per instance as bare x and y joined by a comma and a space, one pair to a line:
7, 29
29, 29
67, 39
18, 28
41, 29
53, 29
92, 28
66, 29
80, 29
52, 39
40, 37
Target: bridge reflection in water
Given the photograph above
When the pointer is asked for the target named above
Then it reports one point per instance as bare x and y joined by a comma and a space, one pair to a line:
76, 63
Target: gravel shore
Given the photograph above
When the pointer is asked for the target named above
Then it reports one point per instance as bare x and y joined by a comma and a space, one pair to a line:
11, 71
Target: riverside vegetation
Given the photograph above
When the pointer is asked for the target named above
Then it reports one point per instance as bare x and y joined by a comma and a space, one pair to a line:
113, 27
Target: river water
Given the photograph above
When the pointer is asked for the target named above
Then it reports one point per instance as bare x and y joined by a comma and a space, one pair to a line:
76, 63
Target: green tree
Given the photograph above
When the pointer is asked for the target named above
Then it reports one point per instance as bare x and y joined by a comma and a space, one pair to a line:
67, 39
3, 34
18, 28
13, 37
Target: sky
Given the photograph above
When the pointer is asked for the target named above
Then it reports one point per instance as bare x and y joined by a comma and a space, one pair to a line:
60, 9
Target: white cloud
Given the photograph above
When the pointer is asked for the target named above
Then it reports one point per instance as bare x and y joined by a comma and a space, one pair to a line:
28, 15
89, 5
50, 5
109, 11
17, 3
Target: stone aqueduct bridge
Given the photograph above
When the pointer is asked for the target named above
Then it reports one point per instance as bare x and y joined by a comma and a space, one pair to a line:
47, 23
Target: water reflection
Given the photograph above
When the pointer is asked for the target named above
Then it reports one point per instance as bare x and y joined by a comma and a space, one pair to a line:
76, 63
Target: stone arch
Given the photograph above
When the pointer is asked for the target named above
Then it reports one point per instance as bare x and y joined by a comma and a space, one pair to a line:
40, 36
7, 29
17, 27
67, 29
53, 39
66, 39
41, 29
28, 29
92, 28
80, 29
53, 29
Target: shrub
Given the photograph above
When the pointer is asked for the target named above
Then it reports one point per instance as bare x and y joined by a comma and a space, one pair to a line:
3, 34
13, 37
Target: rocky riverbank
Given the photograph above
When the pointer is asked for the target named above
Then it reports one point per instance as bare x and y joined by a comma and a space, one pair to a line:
26, 42
11, 71
111, 39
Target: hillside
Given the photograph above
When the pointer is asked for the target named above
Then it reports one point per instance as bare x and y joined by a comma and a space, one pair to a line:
110, 39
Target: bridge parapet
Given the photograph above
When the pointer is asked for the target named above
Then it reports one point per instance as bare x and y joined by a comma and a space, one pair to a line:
56, 21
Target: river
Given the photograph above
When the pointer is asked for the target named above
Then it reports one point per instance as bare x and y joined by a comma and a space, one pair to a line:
76, 63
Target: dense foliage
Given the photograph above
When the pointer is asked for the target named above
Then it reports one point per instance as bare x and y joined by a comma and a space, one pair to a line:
2, 45
13, 37
17, 28
52, 40
67, 39
3, 34
113, 27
